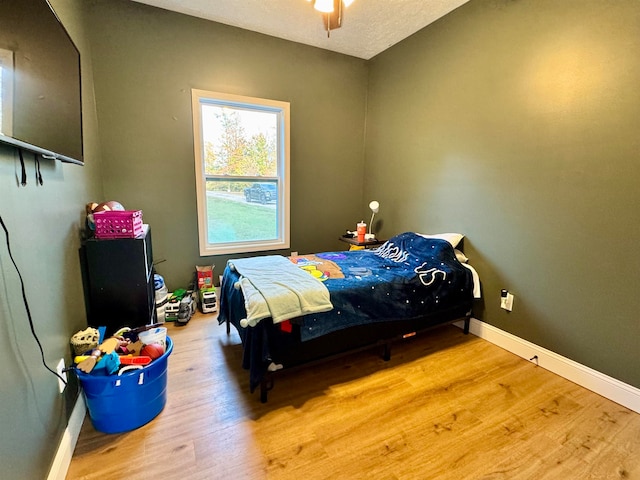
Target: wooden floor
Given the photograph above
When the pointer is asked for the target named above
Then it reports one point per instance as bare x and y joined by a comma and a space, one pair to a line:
447, 406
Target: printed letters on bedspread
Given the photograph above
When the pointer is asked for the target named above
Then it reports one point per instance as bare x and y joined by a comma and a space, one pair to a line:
274, 287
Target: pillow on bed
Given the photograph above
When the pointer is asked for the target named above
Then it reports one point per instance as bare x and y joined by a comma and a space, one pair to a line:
453, 238
462, 258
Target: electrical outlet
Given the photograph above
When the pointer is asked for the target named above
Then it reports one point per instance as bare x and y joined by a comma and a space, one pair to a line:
294, 254
62, 373
506, 300
509, 302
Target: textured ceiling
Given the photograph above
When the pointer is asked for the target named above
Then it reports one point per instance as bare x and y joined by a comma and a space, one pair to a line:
368, 28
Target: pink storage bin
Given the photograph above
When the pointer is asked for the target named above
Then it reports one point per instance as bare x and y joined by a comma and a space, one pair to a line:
118, 223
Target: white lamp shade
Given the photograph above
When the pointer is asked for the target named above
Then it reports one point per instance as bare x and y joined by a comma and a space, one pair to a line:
324, 6
374, 206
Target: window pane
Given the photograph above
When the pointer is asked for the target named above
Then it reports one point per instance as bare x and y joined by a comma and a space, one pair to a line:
241, 211
241, 147
239, 141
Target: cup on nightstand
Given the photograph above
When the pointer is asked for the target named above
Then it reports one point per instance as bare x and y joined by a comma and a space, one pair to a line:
361, 230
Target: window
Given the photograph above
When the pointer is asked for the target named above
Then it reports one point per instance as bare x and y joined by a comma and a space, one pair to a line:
241, 147
6, 92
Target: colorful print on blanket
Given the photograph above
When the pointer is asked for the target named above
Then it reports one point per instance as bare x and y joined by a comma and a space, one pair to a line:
409, 276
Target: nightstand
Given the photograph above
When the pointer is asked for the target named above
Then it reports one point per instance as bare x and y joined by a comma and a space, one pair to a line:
366, 244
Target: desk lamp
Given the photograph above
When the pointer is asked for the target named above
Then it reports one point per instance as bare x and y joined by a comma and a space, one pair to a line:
375, 207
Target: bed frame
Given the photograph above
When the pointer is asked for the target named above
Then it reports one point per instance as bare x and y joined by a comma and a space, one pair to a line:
287, 349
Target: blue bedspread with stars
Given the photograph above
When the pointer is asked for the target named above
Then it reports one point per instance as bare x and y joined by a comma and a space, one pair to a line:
407, 277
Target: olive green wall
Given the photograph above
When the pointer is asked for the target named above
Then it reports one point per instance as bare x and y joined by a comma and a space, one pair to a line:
44, 224
516, 123
147, 60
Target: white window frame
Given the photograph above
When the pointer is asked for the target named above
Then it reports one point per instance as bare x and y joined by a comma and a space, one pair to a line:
6, 92
199, 97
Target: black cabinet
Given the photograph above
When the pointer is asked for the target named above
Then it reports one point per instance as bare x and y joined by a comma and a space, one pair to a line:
118, 282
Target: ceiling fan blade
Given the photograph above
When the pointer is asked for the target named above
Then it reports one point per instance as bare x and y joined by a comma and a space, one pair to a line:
333, 20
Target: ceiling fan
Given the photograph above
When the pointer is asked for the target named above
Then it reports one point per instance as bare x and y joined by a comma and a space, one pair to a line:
333, 12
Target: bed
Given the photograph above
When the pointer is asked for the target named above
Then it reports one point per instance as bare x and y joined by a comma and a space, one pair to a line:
354, 300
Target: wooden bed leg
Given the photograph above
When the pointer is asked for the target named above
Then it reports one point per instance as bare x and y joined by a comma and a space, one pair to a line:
467, 323
386, 352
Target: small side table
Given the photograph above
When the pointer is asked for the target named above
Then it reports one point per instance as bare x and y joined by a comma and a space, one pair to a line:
366, 244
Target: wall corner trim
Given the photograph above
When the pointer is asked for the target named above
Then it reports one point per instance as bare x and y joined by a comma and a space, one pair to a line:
609, 387
68, 442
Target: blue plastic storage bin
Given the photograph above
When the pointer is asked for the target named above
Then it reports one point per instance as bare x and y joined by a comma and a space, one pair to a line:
120, 403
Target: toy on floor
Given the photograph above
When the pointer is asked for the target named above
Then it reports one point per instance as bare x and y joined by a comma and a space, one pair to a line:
208, 300
106, 347
131, 360
153, 350
85, 340
181, 306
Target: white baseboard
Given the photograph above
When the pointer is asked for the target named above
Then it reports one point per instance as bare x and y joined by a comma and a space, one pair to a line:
597, 382
63, 456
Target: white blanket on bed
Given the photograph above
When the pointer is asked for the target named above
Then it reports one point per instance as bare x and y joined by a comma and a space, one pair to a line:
274, 287
476, 281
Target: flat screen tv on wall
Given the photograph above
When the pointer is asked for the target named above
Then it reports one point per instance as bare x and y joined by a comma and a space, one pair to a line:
40, 96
